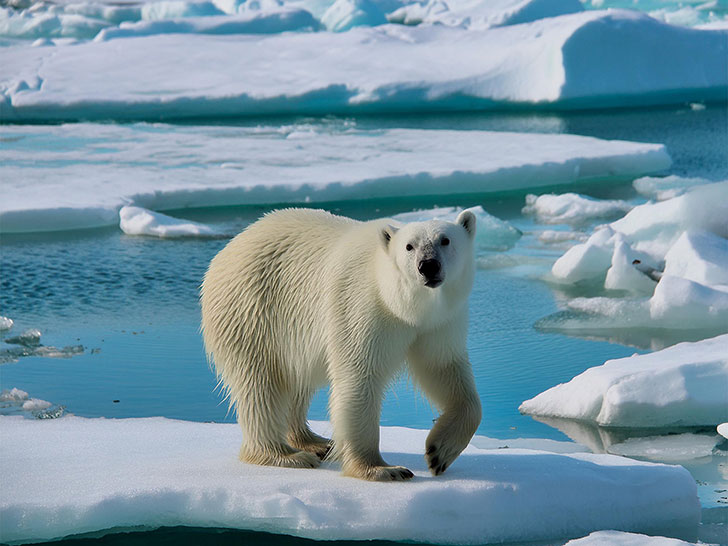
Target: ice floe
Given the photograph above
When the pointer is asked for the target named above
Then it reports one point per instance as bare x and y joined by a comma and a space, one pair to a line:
666, 187
572, 208
620, 538
28, 344
492, 233
681, 386
5, 323
47, 185
723, 430
591, 58
168, 473
139, 221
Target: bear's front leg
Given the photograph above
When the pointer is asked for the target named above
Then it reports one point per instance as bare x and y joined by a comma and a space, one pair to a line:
451, 387
355, 406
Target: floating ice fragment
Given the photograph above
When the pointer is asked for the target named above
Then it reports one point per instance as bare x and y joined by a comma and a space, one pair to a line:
680, 386
29, 338
5, 323
491, 233
140, 221
18, 402
572, 208
13, 395
550, 236
699, 256
723, 430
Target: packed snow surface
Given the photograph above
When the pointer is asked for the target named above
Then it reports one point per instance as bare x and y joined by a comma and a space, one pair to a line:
684, 385
75, 475
139, 221
586, 59
52, 180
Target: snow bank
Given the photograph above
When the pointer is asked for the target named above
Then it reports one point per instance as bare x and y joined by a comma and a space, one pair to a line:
620, 538
281, 20
75, 475
491, 234
572, 208
588, 59
139, 221
684, 385
80, 175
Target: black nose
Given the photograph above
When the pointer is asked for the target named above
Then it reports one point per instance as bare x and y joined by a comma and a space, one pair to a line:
429, 268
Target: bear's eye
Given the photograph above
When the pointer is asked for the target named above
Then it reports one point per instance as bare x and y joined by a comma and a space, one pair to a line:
445, 241
409, 247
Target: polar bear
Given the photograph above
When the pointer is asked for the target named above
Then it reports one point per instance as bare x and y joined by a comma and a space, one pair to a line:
302, 298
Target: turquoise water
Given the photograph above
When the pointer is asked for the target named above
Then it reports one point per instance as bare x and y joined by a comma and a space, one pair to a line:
132, 301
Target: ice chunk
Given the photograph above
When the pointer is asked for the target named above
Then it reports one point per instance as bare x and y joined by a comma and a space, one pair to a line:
699, 256
5, 323
346, 14
491, 233
572, 208
680, 303
29, 338
139, 221
723, 430
13, 395
551, 237
17, 402
174, 167
622, 538
624, 275
592, 58
168, 473
586, 260
654, 227
683, 385
667, 187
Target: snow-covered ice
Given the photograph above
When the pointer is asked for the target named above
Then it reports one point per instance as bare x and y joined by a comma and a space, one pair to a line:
723, 430
591, 58
620, 538
5, 323
162, 167
491, 234
140, 221
572, 208
75, 475
681, 386
665, 187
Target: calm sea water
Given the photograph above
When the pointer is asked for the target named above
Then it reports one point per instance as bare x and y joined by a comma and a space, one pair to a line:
132, 301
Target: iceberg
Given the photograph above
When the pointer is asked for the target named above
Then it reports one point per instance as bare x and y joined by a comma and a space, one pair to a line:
681, 386
5, 323
139, 221
612, 58
168, 473
491, 234
80, 175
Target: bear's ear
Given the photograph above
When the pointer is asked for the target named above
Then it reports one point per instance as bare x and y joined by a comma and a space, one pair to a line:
387, 234
467, 220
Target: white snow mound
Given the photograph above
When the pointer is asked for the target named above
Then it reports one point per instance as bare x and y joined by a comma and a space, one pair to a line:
140, 221
75, 475
681, 386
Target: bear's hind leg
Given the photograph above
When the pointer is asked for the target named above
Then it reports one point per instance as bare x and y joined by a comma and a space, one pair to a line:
300, 434
263, 414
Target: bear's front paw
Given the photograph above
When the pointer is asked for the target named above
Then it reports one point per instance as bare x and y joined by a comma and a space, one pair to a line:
439, 458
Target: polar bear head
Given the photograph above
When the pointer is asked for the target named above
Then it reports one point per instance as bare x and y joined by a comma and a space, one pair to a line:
430, 266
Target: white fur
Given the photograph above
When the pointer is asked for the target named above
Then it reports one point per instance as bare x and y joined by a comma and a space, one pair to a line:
303, 297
